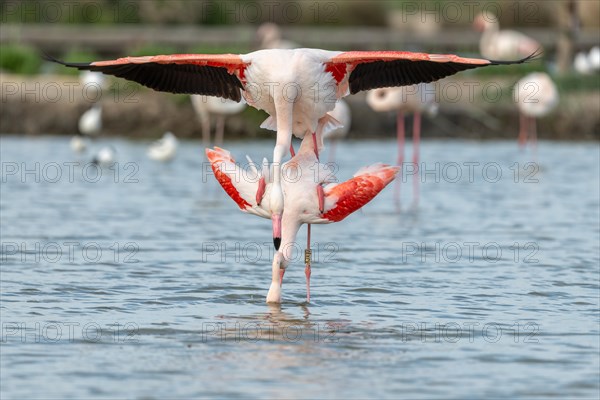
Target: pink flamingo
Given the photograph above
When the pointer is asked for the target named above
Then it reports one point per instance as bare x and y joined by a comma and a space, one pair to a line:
307, 177
497, 44
536, 96
296, 87
414, 99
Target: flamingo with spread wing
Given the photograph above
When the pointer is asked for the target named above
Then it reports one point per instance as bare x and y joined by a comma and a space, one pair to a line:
296, 87
311, 197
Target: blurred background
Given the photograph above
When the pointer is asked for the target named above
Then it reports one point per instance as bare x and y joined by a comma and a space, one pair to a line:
90, 30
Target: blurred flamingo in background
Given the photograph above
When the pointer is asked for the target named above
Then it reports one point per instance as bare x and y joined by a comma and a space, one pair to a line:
496, 44
536, 96
415, 99
269, 36
294, 86
204, 106
312, 197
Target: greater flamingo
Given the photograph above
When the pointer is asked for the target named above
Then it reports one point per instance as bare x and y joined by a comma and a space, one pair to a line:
536, 96
307, 177
414, 99
296, 87
163, 149
496, 44
204, 106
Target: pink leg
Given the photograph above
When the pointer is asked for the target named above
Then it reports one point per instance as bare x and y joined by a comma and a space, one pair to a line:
533, 132
400, 134
292, 152
523, 128
314, 135
416, 146
307, 271
281, 273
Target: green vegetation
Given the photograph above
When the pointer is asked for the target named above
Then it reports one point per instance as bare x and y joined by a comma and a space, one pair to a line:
20, 59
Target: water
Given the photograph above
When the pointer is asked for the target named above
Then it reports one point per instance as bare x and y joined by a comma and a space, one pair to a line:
488, 288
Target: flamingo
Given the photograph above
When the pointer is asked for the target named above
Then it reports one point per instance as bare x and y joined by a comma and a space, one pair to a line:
296, 87
536, 96
303, 206
496, 44
414, 99
269, 37
204, 106
342, 114
163, 149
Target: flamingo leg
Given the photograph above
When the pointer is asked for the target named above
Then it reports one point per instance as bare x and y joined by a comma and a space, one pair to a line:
523, 127
307, 270
314, 136
204, 118
416, 148
292, 151
220, 130
533, 132
400, 134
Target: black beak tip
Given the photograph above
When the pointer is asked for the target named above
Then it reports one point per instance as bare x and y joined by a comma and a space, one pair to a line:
277, 243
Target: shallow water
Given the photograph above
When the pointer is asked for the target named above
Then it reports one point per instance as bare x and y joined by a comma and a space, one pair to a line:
146, 282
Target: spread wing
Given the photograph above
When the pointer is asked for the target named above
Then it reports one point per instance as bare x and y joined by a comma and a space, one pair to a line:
240, 184
364, 70
343, 199
218, 75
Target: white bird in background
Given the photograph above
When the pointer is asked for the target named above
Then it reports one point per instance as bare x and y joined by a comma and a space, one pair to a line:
415, 99
78, 144
582, 64
342, 114
268, 36
536, 96
594, 58
106, 156
311, 197
90, 122
163, 149
496, 44
204, 106
294, 86
93, 84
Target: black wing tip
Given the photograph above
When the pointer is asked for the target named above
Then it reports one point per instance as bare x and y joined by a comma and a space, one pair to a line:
536, 55
47, 57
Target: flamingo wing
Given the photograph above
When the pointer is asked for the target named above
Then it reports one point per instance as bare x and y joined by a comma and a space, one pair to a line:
218, 75
238, 183
343, 199
365, 70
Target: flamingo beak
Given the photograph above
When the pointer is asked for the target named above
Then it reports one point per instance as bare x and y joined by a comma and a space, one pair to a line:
276, 230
